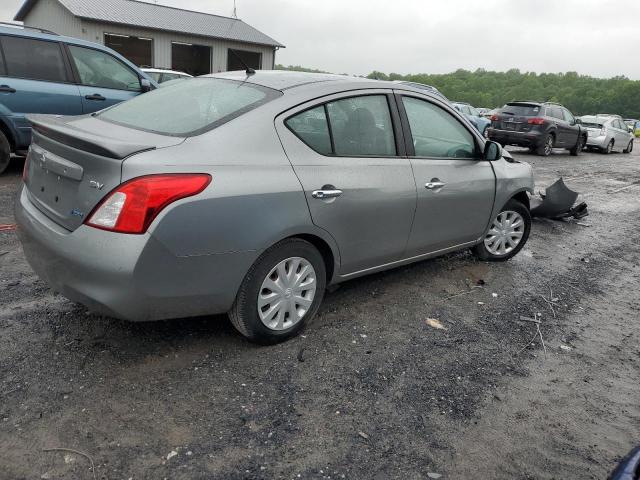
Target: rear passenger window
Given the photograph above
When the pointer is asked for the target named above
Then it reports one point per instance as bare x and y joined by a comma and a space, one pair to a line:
33, 59
361, 126
312, 128
436, 133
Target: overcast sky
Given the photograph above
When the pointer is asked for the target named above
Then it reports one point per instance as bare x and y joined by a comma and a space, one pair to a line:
437, 36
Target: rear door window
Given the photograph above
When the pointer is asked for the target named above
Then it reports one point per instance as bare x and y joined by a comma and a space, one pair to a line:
99, 69
312, 128
567, 116
555, 112
361, 126
34, 59
436, 133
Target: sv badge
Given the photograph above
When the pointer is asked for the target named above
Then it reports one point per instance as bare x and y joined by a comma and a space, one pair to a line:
94, 184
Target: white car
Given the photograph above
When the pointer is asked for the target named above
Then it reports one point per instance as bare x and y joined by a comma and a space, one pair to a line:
607, 133
161, 75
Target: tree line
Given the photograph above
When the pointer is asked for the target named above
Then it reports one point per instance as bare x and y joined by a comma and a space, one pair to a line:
582, 94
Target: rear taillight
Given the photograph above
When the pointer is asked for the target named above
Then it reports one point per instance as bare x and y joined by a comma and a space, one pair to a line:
494, 118
132, 206
535, 121
603, 131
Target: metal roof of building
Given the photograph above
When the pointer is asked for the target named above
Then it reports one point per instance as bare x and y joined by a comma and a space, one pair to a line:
160, 17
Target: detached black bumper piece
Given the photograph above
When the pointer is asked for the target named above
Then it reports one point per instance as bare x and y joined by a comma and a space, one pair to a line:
557, 202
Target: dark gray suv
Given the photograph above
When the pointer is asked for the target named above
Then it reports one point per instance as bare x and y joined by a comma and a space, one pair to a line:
539, 126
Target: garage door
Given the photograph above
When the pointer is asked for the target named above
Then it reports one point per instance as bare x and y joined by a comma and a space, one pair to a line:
189, 58
235, 59
137, 50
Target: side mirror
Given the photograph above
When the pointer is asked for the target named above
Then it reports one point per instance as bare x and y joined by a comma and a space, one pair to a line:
492, 151
578, 121
146, 85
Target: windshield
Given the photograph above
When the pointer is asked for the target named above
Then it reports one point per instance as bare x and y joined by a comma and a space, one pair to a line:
189, 108
521, 110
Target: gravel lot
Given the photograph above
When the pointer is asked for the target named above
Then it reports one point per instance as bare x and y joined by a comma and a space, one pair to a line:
370, 391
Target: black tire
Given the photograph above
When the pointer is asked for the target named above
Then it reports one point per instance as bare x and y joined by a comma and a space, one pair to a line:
629, 148
481, 250
5, 153
546, 147
575, 151
244, 312
608, 149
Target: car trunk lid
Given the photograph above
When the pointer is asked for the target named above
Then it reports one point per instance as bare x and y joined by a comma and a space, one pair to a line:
72, 163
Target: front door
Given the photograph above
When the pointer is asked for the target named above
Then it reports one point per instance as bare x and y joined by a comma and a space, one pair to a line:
455, 186
104, 80
358, 186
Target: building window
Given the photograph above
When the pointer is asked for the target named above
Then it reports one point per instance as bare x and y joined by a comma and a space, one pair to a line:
235, 59
189, 58
137, 50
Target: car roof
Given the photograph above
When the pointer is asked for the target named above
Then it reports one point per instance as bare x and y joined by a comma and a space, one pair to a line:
162, 70
285, 81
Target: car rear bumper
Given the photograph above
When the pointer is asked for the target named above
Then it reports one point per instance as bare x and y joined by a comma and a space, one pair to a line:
600, 141
133, 277
522, 139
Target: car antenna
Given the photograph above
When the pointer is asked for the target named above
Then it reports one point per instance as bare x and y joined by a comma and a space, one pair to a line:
248, 69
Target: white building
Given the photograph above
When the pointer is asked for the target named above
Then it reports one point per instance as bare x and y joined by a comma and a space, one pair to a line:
153, 35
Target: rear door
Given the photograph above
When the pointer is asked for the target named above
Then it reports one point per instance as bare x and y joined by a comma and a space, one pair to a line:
358, 185
36, 79
104, 80
455, 186
563, 131
622, 134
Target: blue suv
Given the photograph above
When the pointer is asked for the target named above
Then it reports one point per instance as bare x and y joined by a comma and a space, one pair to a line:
42, 72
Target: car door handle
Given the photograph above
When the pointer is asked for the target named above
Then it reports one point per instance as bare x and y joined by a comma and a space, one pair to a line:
322, 194
434, 185
95, 96
7, 89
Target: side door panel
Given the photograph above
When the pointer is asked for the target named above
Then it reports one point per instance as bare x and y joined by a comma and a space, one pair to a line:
455, 194
371, 218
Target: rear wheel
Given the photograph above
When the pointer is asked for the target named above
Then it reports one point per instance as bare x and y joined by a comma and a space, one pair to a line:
579, 146
608, 149
546, 147
629, 148
281, 292
507, 234
5, 152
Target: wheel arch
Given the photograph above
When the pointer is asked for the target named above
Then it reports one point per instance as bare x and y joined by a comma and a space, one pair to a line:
328, 255
522, 197
8, 133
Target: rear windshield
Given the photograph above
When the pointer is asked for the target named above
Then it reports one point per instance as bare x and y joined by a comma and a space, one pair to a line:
190, 107
521, 110
592, 122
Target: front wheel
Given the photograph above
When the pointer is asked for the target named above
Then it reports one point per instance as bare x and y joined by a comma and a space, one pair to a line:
579, 146
507, 234
281, 292
5, 153
629, 148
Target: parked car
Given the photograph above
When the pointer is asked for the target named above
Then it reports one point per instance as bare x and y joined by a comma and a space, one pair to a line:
161, 75
539, 126
41, 72
607, 134
250, 195
478, 121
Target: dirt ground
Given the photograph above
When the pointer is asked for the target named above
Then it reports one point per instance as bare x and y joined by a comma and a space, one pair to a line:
370, 391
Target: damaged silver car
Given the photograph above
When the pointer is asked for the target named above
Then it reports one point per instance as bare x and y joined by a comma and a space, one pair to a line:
250, 192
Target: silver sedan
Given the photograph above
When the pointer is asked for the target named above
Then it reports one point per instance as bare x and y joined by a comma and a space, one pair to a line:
607, 133
249, 193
